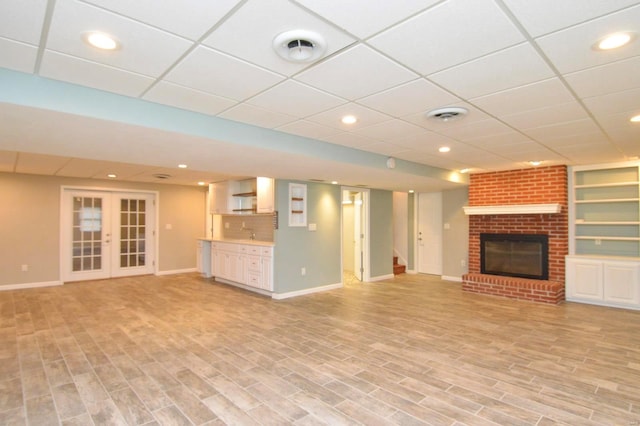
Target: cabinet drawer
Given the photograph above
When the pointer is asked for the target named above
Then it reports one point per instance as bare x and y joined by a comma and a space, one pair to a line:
254, 279
253, 250
266, 251
254, 264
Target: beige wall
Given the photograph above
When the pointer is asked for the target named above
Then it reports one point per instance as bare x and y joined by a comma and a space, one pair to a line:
30, 230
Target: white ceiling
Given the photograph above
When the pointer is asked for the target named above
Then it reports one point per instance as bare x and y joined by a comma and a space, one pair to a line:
526, 71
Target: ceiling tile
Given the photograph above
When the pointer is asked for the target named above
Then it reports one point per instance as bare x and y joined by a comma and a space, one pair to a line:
359, 18
525, 98
22, 20
8, 161
71, 19
220, 74
86, 73
500, 141
257, 116
187, 18
342, 74
448, 34
308, 129
502, 70
560, 131
543, 16
17, 56
249, 33
571, 49
332, 118
425, 141
614, 77
614, 103
295, 99
471, 131
546, 116
349, 139
39, 164
409, 98
390, 130
183, 97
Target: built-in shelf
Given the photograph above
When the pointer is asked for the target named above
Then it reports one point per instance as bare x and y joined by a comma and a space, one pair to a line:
514, 209
246, 194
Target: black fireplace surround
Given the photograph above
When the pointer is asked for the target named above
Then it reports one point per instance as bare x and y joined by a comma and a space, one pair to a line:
515, 255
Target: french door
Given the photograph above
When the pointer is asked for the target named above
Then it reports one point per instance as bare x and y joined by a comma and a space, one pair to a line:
107, 234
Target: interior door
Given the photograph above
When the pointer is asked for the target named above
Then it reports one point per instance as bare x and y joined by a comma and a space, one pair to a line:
107, 234
430, 233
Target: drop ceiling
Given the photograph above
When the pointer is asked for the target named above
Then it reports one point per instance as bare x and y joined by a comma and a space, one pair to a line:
526, 71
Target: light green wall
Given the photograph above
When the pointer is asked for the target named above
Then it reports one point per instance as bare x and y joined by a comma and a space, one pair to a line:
455, 241
411, 230
297, 247
381, 232
30, 217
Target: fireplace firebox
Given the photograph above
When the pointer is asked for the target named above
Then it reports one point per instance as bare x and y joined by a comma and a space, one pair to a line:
515, 255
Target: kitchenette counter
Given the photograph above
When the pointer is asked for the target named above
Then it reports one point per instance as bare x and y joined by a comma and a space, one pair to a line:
240, 241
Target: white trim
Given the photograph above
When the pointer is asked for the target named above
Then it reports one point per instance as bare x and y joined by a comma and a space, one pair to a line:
513, 209
279, 296
411, 271
176, 271
381, 278
449, 278
30, 285
242, 286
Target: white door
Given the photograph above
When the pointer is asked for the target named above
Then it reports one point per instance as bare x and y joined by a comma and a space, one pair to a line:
430, 233
107, 234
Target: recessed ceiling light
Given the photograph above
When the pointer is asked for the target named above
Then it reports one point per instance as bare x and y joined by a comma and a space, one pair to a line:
112, 175
334, 182
411, 191
182, 166
101, 41
349, 119
201, 183
444, 149
465, 170
535, 163
635, 119
613, 41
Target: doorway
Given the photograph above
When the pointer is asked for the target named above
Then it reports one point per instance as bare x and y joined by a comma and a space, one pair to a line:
429, 233
355, 235
106, 234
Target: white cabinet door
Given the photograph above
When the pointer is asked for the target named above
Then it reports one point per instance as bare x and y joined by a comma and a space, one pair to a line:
621, 283
215, 261
219, 198
265, 195
267, 278
584, 279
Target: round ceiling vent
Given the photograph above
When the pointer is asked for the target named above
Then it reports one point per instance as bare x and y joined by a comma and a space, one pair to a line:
299, 46
161, 176
447, 114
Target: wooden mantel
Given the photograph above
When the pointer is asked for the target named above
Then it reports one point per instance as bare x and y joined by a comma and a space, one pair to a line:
514, 209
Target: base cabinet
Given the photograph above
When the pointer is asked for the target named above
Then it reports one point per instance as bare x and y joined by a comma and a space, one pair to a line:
245, 264
603, 281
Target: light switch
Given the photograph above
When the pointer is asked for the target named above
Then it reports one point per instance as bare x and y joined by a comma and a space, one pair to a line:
312, 227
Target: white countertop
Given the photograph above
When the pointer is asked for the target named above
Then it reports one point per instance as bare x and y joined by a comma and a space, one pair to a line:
236, 241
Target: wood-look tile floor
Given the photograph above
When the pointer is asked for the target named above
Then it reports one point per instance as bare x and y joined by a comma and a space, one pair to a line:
413, 350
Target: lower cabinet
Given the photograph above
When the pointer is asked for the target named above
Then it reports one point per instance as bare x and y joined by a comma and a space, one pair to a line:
603, 281
246, 264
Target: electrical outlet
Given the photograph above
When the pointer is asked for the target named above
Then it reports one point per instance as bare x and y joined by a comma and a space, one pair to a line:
226, 225
303, 271
598, 242
463, 263
25, 268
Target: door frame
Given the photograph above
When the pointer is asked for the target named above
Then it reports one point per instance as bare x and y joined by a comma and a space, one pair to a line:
366, 264
61, 226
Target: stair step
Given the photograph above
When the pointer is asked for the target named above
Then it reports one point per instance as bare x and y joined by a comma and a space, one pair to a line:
397, 268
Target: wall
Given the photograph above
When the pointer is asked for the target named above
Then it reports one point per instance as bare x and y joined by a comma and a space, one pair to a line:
455, 239
400, 228
528, 186
297, 247
30, 224
348, 238
381, 233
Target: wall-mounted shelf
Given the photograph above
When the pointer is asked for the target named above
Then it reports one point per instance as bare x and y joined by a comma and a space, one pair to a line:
297, 204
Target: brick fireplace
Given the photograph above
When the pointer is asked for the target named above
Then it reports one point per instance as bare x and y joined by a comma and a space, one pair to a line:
509, 193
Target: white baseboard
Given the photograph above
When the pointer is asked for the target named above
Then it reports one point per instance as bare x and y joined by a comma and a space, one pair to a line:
30, 285
411, 271
449, 278
177, 271
381, 278
244, 287
280, 296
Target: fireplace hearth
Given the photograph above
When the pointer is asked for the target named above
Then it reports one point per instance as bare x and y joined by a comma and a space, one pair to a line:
515, 255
